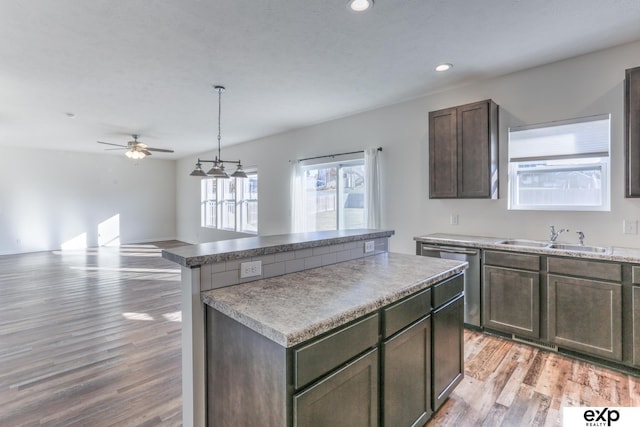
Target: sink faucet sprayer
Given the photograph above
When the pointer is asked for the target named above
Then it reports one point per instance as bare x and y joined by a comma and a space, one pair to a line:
580, 237
554, 235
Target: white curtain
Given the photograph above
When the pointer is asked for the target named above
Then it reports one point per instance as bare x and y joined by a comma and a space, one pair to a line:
372, 187
297, 223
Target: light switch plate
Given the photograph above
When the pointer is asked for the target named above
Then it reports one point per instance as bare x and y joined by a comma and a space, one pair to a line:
630, 226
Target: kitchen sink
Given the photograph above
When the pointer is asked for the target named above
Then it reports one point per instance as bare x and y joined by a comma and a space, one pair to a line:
524, 242
578, 248
558, 246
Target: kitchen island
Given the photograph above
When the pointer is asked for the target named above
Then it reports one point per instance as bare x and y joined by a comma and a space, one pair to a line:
321, 303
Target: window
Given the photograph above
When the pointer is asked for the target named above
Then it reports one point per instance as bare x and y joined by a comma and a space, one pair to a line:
230, 204
560, 165
333, 196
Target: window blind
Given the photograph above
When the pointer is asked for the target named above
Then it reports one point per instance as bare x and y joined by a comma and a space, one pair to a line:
583, 137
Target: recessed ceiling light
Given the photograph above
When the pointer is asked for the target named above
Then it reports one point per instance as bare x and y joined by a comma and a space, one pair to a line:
360, 5
443, 67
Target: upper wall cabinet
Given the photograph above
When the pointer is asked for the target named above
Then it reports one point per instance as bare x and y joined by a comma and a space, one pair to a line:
463, 151
632, 132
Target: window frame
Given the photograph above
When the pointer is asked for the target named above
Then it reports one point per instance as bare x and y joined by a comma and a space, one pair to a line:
224, 203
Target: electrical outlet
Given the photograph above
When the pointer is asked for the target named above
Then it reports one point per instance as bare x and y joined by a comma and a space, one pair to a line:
630, 226
369, 246
250, 269
454, 219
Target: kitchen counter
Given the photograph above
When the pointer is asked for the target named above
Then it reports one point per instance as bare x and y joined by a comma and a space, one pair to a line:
295, 307
225, 250
630, 255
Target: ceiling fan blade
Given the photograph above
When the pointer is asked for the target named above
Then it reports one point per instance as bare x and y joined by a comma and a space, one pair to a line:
160, 150
109, 143
145, 151
114, 149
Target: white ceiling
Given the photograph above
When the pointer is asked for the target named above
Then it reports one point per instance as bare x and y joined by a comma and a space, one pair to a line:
148, 66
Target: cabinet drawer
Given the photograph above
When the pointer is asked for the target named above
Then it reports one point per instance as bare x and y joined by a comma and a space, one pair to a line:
635, 275
406, 312
321, 356
444, 291
585, 268
512, 260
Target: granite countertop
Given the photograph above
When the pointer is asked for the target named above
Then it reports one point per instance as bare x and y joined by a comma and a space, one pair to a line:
296, 307
224, 250
612, 254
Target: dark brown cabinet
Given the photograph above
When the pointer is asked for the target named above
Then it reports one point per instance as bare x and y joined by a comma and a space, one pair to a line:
347, 397
378, 369
586, 315
585, 306
636, 325
407, 376
448, 354
463, 151
632, 131
511, 293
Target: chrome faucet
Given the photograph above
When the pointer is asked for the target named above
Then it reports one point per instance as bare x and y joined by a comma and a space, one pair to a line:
554, 234
580, 237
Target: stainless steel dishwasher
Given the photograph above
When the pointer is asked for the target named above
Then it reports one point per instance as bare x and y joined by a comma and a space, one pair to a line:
471, 276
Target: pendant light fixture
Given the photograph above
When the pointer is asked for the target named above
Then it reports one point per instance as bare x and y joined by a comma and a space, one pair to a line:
217, 170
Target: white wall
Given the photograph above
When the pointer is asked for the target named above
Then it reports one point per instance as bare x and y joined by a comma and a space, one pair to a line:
586, 85
48, 198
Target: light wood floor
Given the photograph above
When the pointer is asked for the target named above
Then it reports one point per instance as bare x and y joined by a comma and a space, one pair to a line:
511, 384
92, 338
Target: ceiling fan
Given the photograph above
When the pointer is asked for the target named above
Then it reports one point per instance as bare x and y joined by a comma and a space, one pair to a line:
135, 150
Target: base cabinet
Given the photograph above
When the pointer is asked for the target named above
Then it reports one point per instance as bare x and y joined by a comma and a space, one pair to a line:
448, 353
636, 325
407, 376
512, 301
380, 369
586, 315
348, 397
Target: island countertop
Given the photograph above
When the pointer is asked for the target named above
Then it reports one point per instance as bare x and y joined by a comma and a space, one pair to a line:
224, 250
295, 307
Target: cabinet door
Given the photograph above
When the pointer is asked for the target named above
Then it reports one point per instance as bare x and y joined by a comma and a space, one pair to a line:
447, 363
348, 397
443, 154
586, 315
632, 132
636, 325
406, 386
474, 155
511, 301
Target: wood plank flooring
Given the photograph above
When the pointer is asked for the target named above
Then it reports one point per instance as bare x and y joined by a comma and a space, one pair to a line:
512, 384
92, 338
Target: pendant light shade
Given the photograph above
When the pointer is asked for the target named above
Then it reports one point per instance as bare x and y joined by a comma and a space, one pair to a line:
239, 173
198, 170
217, 170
